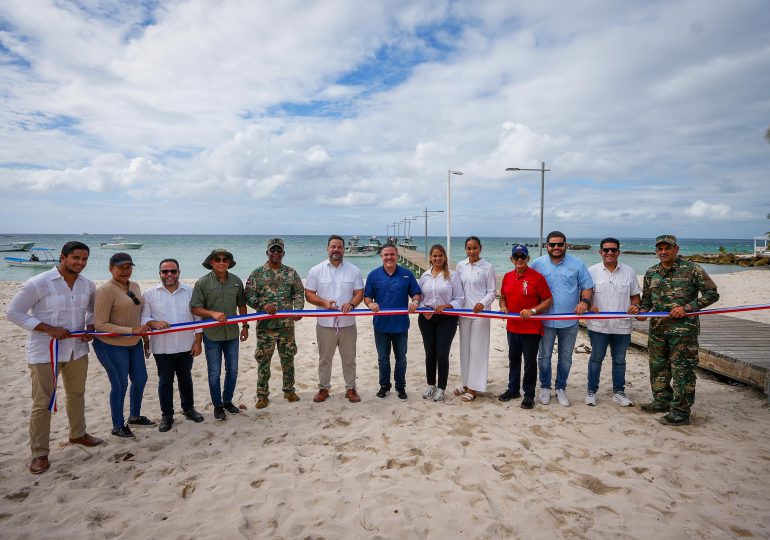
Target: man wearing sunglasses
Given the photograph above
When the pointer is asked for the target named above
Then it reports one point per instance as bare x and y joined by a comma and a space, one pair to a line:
615, 289
219, 295
166, 304
674, 286
571, 286
271, 288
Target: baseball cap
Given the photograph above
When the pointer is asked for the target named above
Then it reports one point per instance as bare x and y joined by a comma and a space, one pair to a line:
519, 248
666, 239
275, 242
120, 258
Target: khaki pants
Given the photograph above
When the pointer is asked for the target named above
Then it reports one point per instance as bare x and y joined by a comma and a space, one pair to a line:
73, 375
329, 340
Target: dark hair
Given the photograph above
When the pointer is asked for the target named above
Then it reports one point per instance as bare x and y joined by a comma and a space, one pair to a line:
609, 240
476, 238
73, 245
557, 234
445, 268
389, 245
335, 237
169, 260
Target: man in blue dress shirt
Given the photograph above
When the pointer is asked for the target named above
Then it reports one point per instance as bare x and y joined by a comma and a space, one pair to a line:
572, 289
391, 287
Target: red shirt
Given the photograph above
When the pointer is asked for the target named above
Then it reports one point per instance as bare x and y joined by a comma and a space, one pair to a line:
524, 291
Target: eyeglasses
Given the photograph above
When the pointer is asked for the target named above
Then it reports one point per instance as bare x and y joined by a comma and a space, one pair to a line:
555, 244
171, 271
610, 250
518, 257
221, 259
276, 249
133, 297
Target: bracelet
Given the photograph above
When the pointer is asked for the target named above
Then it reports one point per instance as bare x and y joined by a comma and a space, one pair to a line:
245, 326
586, 301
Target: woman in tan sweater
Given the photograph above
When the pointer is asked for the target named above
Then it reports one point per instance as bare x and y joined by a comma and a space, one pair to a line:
117, 309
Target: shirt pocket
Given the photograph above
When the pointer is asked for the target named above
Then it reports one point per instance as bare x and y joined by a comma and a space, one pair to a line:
346, 291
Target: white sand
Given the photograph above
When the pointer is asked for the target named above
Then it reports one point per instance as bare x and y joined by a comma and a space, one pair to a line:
392, 469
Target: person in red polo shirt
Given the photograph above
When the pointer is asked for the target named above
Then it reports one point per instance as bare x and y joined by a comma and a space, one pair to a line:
524, 291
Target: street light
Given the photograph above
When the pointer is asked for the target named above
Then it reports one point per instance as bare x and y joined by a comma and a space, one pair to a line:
542, 170
408, 230
449, 174
425, 215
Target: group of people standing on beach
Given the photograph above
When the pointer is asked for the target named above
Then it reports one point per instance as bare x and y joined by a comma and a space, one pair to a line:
55, 303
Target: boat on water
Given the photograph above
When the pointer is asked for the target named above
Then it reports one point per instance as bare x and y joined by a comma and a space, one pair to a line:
16, 246
39, 258
375, 244
119, 242
356, 249
407, 243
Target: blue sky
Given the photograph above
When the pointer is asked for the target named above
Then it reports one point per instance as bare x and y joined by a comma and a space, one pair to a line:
338, 116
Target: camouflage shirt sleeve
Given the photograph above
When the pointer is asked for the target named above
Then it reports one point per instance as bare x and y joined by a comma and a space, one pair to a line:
707, 289
646, 303
251, 292
298, 293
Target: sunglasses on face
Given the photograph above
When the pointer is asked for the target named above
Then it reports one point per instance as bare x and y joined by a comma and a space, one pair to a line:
276, 249
518, 257
610, 250
170, 271
556, 244
133, 297
221, 259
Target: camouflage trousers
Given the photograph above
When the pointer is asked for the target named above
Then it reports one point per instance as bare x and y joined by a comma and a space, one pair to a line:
673, 360
267, 340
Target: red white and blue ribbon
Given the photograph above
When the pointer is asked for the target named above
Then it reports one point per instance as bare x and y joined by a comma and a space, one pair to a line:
317, 313
53, 349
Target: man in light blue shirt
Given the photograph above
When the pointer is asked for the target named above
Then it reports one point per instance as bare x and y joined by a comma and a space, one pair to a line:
572, 287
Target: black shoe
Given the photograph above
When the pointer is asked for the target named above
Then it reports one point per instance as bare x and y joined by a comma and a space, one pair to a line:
402, 394
141, 421
165, 423
123, 432
219, 413
383, 393
232, 409
528, 402
672, 419
193, 415
508, 396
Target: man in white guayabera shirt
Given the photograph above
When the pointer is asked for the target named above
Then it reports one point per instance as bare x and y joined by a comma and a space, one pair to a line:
337, 285
615, 289
50, 305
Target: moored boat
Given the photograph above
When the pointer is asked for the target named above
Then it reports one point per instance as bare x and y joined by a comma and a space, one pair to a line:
40, 258
16, 246
119, 242
355, 249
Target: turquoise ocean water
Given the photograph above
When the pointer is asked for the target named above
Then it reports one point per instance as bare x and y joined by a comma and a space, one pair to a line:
304, 251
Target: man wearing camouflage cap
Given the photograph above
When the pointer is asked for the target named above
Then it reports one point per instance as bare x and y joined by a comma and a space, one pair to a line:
275, 287
673, 286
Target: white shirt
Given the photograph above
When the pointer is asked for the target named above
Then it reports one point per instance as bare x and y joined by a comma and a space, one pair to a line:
336, 283
161, 305
613, 292
437, 291
479, 283
46, 298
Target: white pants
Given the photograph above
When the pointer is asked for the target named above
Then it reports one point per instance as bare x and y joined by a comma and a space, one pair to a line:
474, 352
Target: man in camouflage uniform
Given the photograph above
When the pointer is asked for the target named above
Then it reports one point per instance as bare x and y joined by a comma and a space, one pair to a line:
275, 287
673, 286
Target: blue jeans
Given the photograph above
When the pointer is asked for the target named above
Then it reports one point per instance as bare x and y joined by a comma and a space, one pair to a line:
122, 363
214, 352
566, 338
618, 344
383, 342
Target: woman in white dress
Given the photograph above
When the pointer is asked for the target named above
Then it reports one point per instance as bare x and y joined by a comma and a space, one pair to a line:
441, 289
479, 285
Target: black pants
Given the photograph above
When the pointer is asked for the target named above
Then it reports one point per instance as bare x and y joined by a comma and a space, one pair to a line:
181, 365
526, 344
437, 335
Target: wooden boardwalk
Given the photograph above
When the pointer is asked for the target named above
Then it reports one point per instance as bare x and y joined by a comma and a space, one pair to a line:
733, 347
412, 259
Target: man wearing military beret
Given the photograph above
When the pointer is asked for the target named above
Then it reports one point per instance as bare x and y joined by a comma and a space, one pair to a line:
673, 286
275, 287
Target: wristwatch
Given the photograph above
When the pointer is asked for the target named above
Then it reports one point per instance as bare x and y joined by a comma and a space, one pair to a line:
245, 326
687, 308
586, 301
533, 310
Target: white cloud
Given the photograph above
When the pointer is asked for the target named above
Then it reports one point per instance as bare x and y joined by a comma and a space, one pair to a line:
715, 212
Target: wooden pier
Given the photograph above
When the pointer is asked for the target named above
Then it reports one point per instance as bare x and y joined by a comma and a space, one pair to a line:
413, 260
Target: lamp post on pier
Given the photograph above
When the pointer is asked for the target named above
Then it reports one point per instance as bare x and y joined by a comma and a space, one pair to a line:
449, 174
425, 215
542, 170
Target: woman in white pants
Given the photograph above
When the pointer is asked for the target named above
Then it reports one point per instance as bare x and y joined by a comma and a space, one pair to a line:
480, 287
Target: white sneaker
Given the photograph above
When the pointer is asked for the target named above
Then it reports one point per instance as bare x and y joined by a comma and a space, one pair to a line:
561, 397
545, 396
438, 395
621, 399
591, 399
428, 392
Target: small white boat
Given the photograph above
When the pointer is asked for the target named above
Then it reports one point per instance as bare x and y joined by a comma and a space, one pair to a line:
408, 243
354, 249
40, 258
119, 242
16, 246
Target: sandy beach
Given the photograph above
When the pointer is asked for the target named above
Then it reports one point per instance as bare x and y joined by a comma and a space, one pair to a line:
392, 469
